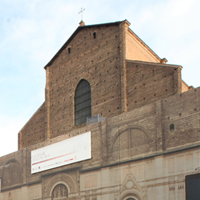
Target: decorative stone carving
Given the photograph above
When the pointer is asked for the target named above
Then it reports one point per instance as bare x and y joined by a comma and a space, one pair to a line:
60, 184
129, 184
130, 190
59, 192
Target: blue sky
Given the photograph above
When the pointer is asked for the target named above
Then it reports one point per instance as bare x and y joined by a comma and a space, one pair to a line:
31, 32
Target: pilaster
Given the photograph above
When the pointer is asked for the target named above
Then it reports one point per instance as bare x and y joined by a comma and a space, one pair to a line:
123, 29
47, 104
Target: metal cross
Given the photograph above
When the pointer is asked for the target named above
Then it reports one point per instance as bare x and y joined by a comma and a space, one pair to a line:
81, 12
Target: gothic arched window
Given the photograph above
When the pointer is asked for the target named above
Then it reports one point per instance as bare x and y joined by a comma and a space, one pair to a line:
82, 102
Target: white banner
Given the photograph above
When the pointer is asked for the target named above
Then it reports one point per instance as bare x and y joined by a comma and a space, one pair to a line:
68, 151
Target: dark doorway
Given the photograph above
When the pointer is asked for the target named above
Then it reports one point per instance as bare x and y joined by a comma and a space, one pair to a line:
192, 187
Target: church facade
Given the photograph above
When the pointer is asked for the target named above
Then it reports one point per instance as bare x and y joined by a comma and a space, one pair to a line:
145, 146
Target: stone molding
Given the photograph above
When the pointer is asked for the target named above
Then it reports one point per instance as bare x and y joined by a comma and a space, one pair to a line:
61, 178
130, 189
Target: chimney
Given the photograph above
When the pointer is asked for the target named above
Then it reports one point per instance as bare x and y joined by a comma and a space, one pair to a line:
163, 61
82, 23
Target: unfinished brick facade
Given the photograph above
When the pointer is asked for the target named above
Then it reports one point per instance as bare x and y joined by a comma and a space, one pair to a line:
117, 85
147, 144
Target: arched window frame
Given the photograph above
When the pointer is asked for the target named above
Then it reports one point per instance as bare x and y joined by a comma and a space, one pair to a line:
130, 198
82, 102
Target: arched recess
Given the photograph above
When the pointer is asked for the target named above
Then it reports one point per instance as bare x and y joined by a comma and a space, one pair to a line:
130, 142
82, 102
131, 197
12, 174
59, 192
62, 179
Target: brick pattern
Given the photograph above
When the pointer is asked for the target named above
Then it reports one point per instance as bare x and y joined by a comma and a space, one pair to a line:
149, 82
95, 60
117, 85
138, 136
129, 143
34, 130
151, 94
183, 111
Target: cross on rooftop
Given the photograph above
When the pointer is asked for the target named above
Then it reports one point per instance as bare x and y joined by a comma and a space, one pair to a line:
81, 12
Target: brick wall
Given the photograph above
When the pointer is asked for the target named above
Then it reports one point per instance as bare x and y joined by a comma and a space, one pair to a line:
183, 111
149, 82
34, 130
154, 101
117, 85
129, 136
97, 61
